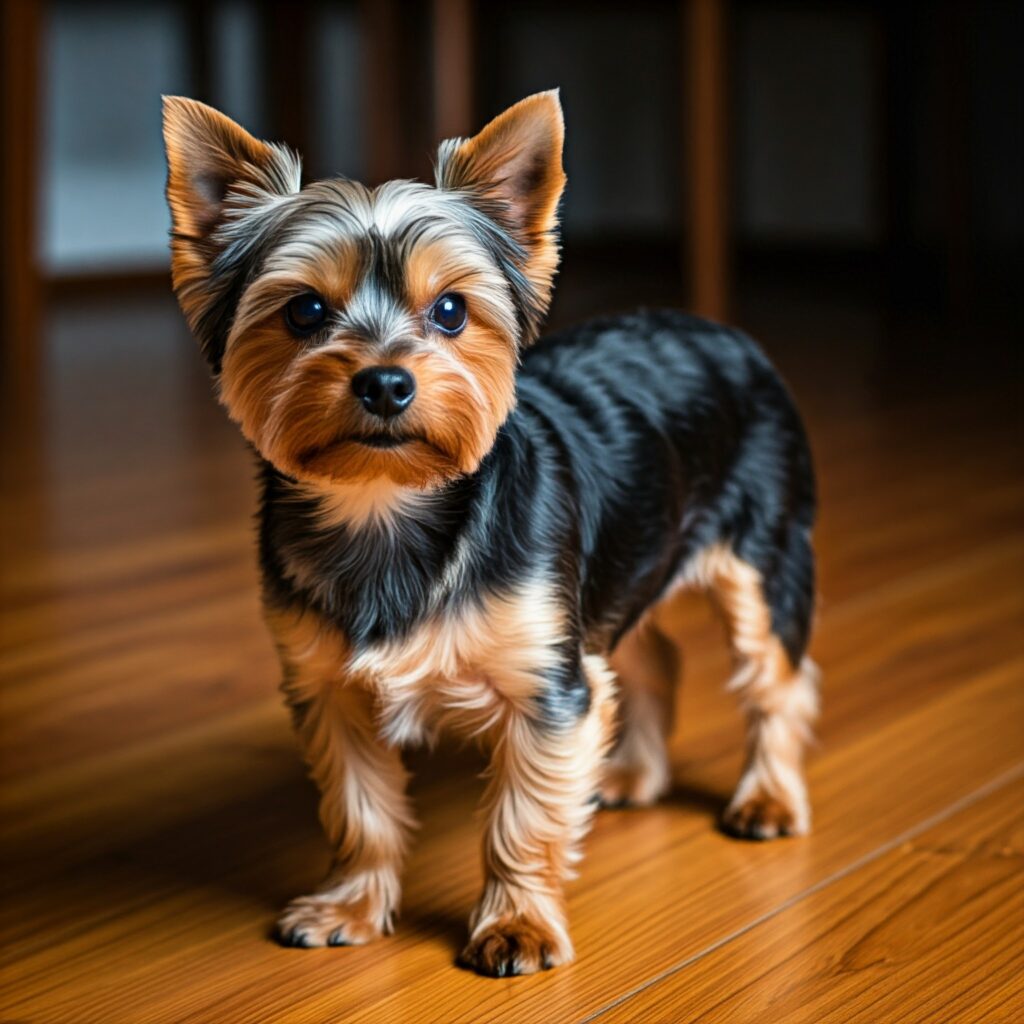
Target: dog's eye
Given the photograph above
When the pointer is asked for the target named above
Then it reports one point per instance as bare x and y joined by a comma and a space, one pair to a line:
305, 313
449, 313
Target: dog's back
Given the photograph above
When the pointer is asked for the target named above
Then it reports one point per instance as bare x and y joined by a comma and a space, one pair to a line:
672, 434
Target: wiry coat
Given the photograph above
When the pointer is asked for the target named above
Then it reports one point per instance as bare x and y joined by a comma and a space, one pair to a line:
490, 560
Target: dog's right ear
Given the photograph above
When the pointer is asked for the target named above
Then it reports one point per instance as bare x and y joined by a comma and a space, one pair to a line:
214, 167
213, 162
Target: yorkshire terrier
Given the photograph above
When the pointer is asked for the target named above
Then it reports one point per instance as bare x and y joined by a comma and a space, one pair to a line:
463, 527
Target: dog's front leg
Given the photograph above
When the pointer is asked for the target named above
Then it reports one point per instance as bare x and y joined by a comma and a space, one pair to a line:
540, 798
363, 807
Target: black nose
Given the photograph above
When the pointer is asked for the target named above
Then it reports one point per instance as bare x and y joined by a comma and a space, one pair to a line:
384, 390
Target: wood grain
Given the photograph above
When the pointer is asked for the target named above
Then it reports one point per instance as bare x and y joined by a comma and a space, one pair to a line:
155, 814
930, 930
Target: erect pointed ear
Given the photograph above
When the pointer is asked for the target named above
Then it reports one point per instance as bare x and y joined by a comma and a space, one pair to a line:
212, 162
513, 170
214, 167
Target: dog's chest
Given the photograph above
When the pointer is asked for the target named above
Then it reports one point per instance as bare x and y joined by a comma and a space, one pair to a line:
374, 572
462, 669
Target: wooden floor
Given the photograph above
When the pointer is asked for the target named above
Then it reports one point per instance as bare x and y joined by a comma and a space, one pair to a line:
155, 814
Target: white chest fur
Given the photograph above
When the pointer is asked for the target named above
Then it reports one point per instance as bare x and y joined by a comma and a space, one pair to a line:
464, 670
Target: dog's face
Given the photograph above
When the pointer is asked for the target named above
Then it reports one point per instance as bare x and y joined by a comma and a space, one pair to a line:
358, 333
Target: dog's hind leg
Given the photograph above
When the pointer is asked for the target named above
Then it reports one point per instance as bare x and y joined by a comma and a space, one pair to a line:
768, 622
647, 665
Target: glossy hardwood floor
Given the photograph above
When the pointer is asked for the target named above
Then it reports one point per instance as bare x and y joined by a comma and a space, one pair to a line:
155, 813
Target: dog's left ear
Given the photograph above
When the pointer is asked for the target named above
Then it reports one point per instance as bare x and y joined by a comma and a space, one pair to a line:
513, 169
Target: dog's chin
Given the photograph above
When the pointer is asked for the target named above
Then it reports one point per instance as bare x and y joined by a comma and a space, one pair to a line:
408, 461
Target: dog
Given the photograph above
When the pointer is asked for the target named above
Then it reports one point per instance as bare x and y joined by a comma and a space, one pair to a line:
466, 528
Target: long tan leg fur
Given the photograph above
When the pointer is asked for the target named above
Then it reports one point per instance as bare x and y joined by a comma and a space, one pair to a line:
779, 700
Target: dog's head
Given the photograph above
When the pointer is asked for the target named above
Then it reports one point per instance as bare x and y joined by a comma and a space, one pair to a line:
359, 333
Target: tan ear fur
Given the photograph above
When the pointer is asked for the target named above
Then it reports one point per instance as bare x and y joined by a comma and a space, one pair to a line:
209, 155
214, 167
514, 166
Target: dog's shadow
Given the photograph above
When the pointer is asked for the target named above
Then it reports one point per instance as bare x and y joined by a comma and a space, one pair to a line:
255, 836
249, 831
696, 798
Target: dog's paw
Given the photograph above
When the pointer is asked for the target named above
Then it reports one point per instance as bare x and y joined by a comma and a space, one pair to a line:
763, 816
311, 921
516, 945
624, 785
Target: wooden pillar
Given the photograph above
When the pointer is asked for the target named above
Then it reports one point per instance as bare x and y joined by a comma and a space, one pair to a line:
19, 120
287, 97
705, 107
380, 24
956, 25
198, 18
899, 54
453, 50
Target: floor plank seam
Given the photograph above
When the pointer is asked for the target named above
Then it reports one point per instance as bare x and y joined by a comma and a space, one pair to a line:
912, 579
990, 787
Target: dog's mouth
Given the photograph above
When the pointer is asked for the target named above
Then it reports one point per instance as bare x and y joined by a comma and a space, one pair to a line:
382, 440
